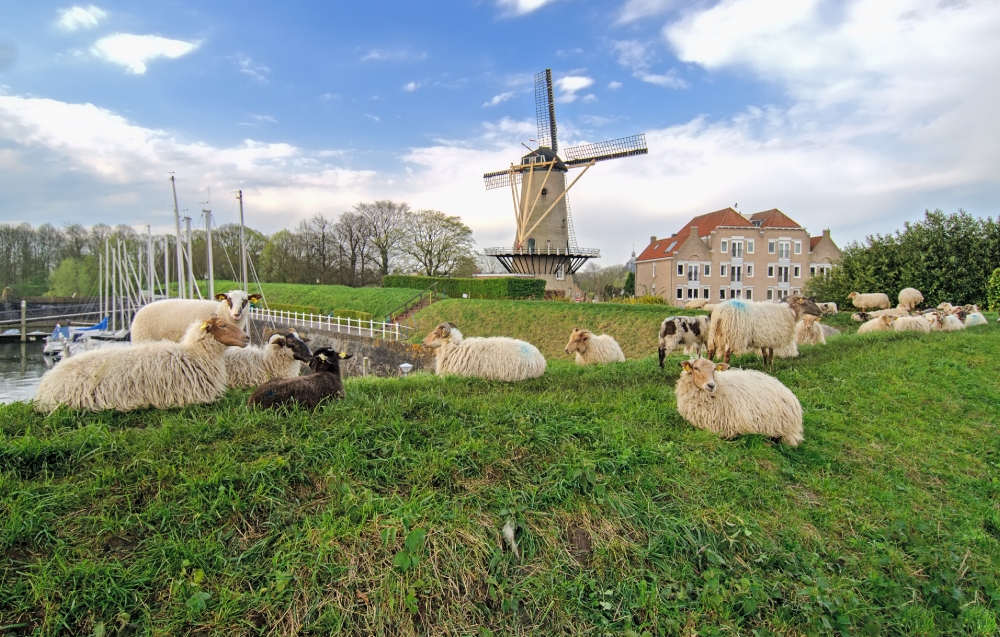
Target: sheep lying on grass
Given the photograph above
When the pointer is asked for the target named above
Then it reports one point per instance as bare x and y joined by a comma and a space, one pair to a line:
911, 324
734, 402
251, 366
308, 391
170, 318
739, 325
895, 311
594, 350
692, 331
877, 324
974, 318
910, 298
828, 309
160, 374
874, 300
861, 317
808, 331
941, 322
493, 358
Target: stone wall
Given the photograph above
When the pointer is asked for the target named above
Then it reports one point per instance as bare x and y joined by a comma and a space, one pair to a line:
384, 356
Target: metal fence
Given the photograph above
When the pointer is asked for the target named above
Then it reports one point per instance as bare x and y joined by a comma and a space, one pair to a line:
344, 325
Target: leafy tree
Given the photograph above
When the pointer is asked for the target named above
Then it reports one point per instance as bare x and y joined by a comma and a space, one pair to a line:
385, 223
630, 284
436, 242
74, 277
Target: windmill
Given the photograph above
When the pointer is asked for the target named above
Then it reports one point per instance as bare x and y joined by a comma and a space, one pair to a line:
545, 244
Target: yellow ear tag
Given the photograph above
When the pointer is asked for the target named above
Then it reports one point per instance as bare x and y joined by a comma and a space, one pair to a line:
322, 357
718, 368
343, 354
204, 325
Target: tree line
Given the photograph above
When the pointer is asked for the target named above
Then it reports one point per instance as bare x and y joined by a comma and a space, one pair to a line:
356, 248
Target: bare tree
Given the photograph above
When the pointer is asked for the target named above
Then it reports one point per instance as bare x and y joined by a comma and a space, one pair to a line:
436, 242
489, 265
602, 283
385, 222
353, 241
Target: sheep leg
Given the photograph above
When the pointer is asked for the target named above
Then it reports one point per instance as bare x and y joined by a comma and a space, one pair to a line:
711, 353
663, 354
726, 355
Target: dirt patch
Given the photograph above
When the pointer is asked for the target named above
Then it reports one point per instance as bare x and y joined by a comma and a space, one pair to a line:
579, 544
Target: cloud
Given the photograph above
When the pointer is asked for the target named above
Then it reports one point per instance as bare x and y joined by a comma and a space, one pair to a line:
614, 86
378, 55
635, 55
327, 97
497, 99
590, 97
521, 7
133, 51
374, 118
570, 85
257, 72
76, 18
409, 87
259, 119
634, 10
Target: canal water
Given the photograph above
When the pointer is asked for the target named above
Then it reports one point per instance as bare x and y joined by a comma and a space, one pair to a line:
21, 367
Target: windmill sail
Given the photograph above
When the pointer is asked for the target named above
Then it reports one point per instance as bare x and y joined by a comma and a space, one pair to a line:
545, 111
611, 149
500, 179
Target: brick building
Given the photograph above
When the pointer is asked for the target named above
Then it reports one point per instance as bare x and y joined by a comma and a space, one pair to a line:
724, 255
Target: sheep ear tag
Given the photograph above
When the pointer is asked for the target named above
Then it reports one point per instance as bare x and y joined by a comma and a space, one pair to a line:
204, 326
322, 357
721, 367
686, 366
343, 354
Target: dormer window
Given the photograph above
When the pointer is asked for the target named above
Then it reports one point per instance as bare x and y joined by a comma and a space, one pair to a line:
756, 223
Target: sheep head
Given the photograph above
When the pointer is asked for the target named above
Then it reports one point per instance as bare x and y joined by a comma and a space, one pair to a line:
440, 335
294, 342
702, 373
801, 305
225, 332
809, 320
237, 300
327, 359
579, 340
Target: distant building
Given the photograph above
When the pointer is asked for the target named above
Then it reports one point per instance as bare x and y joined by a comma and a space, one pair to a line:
724, 255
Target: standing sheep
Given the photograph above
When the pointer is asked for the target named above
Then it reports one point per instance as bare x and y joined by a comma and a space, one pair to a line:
877, 324
160, 374
591, 349
493, 358
734, 402
911, 324
808, 331
308, 391
168, 319
875, 300
910, 298
251, 366
739, 325
695, 304
692, 331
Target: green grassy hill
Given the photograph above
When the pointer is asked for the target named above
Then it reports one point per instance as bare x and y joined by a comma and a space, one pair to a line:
548, 324
383, 513
328, 298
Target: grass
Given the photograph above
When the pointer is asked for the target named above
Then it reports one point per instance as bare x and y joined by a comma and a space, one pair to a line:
548, 324
328, 298
382, 514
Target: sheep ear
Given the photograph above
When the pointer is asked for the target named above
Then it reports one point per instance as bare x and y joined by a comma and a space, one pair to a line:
452, 325
220, 297
205, 325
686, 365
721, 367
322, 357
345, 355
255, 297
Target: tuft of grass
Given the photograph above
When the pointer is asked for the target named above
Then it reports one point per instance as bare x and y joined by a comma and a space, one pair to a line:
384, 513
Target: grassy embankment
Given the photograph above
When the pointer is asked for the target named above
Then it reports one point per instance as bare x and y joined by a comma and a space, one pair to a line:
376, 301
382, 514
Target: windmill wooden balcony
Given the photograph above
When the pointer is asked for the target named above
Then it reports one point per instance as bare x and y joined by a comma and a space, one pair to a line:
542, 260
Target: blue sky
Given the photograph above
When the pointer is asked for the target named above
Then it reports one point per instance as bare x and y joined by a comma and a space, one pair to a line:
852, 115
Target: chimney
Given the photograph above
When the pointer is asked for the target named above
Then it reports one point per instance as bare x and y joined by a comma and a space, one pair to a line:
652, 239
694, 231
826, 233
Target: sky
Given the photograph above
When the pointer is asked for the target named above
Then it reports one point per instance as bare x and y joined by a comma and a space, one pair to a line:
853, 115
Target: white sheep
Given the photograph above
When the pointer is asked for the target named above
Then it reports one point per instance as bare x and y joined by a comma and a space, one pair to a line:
159, 374
896, 311
253, 366
945, 307
710, 307
493, 358
808, 331
695, 304
974, 318
877, 324
692, 331
170, 318
861, 317
592, 349
828, 309
941, 322
874, 300
739, 325
911, 324
734, 402
910, 298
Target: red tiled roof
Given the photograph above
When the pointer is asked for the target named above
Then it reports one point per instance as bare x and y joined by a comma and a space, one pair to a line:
773, 218
813, 241
706, 223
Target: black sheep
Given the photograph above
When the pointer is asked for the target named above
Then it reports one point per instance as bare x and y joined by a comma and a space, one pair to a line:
308, 391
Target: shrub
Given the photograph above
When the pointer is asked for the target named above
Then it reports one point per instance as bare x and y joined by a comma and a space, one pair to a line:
993, 291
648, 299
499, 288
630, 284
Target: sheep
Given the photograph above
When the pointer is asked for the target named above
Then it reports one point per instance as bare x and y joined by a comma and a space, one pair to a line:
829, 330
695, 304
877, 324
251, 366
861, 317
974, 318
591, 349
710, 307
308, 391
692, 331
911, 324
808, 331
941, 322
946, 307
493, 358
168, 319
910, 298
743, 325
828, 309
734, 402
160, 374
896, 311
875, 300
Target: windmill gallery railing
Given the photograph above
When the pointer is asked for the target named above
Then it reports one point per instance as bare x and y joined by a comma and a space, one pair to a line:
340, 324
546, 251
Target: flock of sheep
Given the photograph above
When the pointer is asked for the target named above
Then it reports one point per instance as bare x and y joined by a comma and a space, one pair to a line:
190, 352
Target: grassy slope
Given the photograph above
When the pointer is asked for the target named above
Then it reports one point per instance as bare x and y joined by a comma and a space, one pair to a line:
226, 522
377, 301
548, 324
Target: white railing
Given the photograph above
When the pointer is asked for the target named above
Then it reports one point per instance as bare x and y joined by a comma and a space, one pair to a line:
542, 250
346, 325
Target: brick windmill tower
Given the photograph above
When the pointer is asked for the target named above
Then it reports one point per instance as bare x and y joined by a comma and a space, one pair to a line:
545, 244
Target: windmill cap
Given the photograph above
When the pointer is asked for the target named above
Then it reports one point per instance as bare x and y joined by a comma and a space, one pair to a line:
548, 155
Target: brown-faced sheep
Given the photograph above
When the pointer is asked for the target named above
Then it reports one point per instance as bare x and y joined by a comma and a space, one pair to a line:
592, 349
159, 374
251, 366
910, 298
874, 300
738, 325
170, 318
735, 402
941, 322
691, 331
808, 331
493, 358
877, 324
309, 391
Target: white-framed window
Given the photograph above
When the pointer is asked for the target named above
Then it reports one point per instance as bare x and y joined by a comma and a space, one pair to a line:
770, 294
680, 269
812, 270
749, 269
798, 247
654, 270
654, 289
722, 270
749, 246
680, 293
748, 294
782, 274
797, 272
734, 293
770, 271
560, 273
693, 273
705, 292
737, 251
784, 249
692, 293
725, 245
722, 293
795, 291
770, 247
736, 274
708, 269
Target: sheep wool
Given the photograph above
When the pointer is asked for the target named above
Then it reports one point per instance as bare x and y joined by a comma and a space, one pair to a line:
911, 324
592, 349
809, 331
975, 318
493, 358
874, 300
877, 324
160, 374
945, 323
252, 366
324, 383
734, 402
828, 309
739, 325
170, 318
695, 304
896, 311
691, 331
910, 298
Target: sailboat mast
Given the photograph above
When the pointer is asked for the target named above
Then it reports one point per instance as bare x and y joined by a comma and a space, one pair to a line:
211, 265
166, 266
177, 228
190, 268
243, 246
149, 262
100, 286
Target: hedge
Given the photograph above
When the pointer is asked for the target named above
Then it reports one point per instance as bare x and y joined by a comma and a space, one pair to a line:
499, 288
288, 307
993, 291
